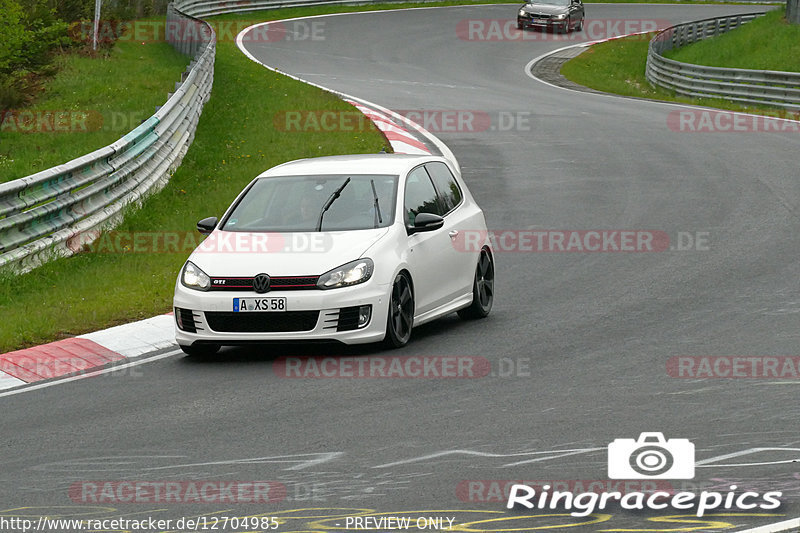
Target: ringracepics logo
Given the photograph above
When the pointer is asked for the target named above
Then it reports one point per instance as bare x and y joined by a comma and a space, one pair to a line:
651, 457
648, 457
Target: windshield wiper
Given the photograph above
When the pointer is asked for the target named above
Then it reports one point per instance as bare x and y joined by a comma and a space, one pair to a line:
332, 198
378, 217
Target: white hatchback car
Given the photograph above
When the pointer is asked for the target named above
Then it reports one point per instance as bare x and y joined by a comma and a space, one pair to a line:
354, 249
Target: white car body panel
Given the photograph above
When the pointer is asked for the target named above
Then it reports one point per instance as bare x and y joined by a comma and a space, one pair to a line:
442, 275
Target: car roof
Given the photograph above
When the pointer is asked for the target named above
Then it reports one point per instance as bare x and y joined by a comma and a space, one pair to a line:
351, 164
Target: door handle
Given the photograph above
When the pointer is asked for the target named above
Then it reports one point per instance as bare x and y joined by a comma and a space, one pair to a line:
453, 234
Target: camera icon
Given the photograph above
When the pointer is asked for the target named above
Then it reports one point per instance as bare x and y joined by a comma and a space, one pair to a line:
651, 457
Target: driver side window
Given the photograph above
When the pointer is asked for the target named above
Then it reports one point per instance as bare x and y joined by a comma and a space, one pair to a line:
420, 195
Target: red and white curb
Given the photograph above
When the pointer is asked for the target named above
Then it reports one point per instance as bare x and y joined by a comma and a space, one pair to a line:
399, 137
395, 127
82, 353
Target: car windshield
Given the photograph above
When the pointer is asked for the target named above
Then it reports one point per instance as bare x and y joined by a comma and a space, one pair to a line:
551, 2
294, 204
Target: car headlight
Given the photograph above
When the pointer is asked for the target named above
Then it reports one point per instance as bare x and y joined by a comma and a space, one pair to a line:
521, 13
562, 16
352, 273
194, 278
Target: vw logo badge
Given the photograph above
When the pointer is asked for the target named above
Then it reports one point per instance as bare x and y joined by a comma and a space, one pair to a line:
261, 283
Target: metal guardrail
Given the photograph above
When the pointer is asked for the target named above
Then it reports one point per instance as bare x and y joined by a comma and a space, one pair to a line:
207, 8
54, 212
761, 87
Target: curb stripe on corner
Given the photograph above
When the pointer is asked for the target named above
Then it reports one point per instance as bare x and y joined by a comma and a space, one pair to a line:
54, 359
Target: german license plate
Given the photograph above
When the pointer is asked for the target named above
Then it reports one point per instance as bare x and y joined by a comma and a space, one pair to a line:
249, 305
540, 21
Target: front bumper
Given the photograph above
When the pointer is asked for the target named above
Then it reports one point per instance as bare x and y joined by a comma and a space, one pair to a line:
534, 22
203, 311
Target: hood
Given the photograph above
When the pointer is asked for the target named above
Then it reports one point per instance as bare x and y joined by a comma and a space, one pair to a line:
545, 9
236, 253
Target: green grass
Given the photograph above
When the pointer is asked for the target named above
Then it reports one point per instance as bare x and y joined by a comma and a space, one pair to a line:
99, 100
235, 141
618, 67
766, 43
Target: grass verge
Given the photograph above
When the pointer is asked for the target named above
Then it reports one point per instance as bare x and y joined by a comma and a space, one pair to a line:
69, 119
778, 46
235, 141
618, 66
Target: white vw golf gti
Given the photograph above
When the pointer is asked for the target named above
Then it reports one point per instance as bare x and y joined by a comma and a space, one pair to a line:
354, 249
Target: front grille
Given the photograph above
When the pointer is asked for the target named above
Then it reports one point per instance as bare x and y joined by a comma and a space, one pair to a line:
230, 322
278, 283
185, 320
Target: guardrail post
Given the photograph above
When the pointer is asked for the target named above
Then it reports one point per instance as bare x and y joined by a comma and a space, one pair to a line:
793, 11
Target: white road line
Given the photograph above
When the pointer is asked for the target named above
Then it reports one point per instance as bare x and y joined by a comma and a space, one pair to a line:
746, 452
576, 452
601, 94
560, 453
786, 525
315, 459
443, 148
90, 373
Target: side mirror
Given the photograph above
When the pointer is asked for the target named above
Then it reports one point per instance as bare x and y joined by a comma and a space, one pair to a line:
426, 222
207, 225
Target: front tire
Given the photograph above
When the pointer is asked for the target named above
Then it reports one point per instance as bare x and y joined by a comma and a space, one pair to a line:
482, 288
400, 319
579, 27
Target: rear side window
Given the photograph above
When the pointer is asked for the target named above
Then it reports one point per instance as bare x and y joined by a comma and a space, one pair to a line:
446, 185
420, 195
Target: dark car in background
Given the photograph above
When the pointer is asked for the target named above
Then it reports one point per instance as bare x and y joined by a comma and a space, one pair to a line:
556, 15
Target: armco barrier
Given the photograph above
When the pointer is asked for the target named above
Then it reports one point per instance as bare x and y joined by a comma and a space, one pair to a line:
51, 213
207, 8
760, 87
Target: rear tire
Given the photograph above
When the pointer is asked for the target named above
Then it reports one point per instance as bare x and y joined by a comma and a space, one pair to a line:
200, 350
400, 319
482, 288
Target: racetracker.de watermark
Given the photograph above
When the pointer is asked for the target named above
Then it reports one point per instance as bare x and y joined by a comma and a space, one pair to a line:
497, 490
225, 242
388, 367
734, 367
710, 121
177, 491
50, 121
432, 120
505, 30
191, 31
581, 241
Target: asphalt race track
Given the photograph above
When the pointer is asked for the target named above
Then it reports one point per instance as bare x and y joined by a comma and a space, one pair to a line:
578, 342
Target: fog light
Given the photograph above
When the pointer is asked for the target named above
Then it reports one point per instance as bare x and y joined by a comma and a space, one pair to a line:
364, 314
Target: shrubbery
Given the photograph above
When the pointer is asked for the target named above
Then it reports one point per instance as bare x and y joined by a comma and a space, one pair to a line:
34, 30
